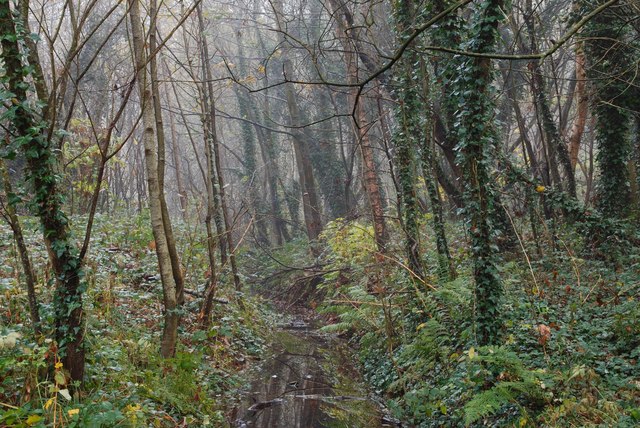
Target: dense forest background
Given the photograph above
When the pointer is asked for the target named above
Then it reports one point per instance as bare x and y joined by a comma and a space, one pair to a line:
452, 187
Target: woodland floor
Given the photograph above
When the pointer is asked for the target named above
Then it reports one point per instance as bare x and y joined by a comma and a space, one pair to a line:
326, 348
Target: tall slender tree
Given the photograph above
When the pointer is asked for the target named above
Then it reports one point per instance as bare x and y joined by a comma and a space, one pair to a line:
154, 183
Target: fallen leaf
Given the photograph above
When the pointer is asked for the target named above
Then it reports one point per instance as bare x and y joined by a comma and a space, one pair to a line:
545, 334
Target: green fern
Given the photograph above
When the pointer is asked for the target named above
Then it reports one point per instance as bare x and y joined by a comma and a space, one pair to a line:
520, 383
485, 404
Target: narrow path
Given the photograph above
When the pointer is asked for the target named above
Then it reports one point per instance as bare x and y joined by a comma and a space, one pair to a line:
308, 381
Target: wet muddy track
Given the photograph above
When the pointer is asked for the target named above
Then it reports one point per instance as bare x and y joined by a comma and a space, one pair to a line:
309, 380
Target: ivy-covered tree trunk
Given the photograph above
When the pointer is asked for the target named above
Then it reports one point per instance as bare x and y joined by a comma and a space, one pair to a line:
409, 132
609, 69
28, 137
428, 161
477, 141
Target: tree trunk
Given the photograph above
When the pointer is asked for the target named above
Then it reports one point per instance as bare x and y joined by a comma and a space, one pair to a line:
557, 149
210, 108
177, 161
249, 142
16, 227
407, 135
447, 270
47, 200
310, 201
583, 106
149, 139
476, 136
362, 127
608, 54
176, 266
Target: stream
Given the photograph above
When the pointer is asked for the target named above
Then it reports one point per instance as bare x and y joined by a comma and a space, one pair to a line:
308, 380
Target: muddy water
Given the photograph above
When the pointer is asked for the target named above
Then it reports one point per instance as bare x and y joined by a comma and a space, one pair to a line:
308, 381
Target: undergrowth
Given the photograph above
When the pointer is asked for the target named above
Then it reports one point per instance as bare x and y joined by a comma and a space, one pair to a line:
570, 348
127, 383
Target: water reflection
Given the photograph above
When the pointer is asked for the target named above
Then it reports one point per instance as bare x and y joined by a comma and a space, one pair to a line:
308, 383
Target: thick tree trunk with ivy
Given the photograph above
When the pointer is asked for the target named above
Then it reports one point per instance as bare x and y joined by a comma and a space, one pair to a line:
149, 139
408, 133
608, 55
28, 136
477, 141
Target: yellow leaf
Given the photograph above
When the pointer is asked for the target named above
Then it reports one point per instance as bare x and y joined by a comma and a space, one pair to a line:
130, 408
472, 353
33, 419
58, 365
72, 412
540, 188
48, 403
421, 326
